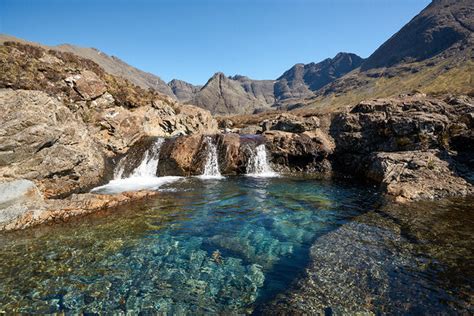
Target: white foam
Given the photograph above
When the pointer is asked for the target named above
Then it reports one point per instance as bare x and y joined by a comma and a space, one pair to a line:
134, 184
211, 169
258, 166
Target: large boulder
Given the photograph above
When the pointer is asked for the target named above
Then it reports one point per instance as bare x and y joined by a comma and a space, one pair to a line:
182, 156
41, 140
417, 175
87, 84
17, 198
235, 150
308, 151
291, 123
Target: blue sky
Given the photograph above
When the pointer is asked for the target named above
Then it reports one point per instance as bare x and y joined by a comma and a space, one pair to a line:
191, 40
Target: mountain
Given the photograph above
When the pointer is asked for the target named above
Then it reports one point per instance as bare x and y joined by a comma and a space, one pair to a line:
183, 90
438, 27
222, 95
433, 54
302, 80
111, 64
240, 94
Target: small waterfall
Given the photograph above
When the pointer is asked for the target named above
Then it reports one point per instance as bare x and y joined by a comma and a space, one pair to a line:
211, 168
142, 177
258, 165
148, 165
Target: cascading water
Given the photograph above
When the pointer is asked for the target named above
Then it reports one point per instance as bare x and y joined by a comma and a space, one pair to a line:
142, 177
148, 165
258, 165
211, 168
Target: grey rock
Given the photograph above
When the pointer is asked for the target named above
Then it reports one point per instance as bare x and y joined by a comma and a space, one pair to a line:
17, 198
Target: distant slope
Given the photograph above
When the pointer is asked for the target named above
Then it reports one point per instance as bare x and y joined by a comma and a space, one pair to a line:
439, 26
433, 53
111, 64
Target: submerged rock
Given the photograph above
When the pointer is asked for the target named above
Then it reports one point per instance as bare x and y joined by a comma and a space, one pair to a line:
397, 260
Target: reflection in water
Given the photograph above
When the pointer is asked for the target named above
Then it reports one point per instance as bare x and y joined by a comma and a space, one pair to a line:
159, 255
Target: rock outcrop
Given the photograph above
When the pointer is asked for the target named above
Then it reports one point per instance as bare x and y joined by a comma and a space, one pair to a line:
307, 151
111, 64
408, 145
41, 140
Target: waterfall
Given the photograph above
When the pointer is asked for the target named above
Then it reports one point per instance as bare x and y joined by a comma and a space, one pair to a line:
148, 165
258, 165
211, 168
143, 177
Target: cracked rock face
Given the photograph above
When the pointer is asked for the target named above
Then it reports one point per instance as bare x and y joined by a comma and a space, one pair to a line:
417, 175
42, 141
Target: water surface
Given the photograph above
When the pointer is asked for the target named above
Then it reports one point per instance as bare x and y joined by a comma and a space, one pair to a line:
202, 246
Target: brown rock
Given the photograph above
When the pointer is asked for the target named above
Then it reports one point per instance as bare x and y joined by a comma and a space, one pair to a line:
299, 152
417, 175
41, 140
179, 156
87, 84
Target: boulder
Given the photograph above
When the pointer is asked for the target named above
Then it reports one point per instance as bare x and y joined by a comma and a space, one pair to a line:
234, 151
228, 149
87, 84
307, 151
182, 156
417, 175
17, 198
291, 123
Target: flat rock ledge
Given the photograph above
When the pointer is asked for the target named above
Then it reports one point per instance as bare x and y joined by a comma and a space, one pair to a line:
25, 207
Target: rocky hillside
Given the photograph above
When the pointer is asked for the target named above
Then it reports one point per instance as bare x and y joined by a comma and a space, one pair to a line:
433, 53
65, 119
111, 64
